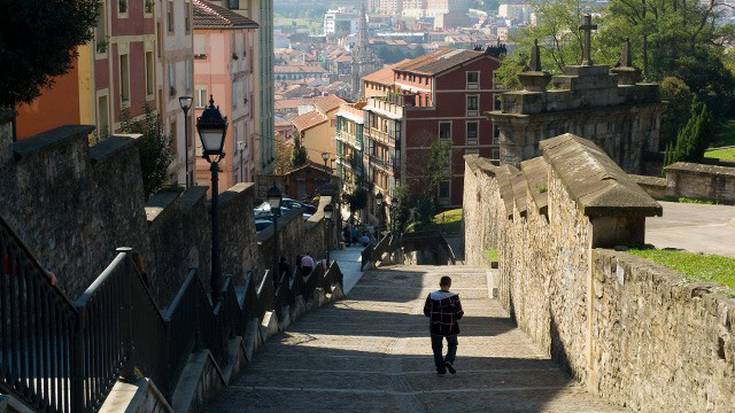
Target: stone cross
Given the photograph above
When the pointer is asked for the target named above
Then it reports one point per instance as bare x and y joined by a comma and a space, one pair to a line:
587, 28
626, 56
535, 65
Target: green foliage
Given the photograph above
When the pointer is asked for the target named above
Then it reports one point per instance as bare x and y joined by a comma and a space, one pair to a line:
299, 156
436, 167
38, 40
156, 153
401, 215
692, 139
679, 98
357, 200
425, 210
492, 255
698, 267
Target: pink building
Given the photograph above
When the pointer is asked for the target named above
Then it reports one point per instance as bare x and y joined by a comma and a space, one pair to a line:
223, 68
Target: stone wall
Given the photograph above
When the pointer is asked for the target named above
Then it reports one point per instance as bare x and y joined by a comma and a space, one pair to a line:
658, 341
692, 180
632, 332
73, 206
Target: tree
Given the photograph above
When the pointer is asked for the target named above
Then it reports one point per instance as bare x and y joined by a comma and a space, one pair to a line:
357, 200
436, 167
156, 153
692, 139
299, 156
679, 100
284, 154
38, 40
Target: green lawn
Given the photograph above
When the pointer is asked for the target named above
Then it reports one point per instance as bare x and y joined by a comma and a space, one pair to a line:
492, 255
722, 154
697, 267
447, 222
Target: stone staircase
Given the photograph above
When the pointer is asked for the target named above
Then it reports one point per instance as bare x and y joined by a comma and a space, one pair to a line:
371, 353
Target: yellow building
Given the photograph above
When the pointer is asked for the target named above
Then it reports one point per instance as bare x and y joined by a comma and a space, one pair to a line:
317, 128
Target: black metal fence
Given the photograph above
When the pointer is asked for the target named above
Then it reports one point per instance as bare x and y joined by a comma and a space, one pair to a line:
60, 356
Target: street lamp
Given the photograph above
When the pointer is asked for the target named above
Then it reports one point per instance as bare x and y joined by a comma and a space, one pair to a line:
212, 128
274, 200
379, 203
185, 103
328, 213
325, 158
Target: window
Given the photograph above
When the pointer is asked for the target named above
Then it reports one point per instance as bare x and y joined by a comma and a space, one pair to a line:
124, 79
496, 134
103, 118
200, 51
473, 129
444, 190
498, 103
445, 130
149, 73
495, 154
189, 74
473, 105
100, 33
473, 80
171, 79
472, 151
201, 97
148, 6
170, 16
122, 7
187, 17
234, 94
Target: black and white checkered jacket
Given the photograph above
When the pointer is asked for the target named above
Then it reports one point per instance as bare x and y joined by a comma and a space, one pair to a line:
445, 309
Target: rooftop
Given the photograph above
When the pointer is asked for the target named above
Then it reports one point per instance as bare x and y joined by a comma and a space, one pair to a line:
438, 61
308, 120
327, 103
211, 16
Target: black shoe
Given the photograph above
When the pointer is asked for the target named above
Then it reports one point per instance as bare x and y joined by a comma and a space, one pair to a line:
450, 368
441, 373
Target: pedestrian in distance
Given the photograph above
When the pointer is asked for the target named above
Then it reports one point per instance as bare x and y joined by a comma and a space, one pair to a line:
307, 264
444, 309
347, 235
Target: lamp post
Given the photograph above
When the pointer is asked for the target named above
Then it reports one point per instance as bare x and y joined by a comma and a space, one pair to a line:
212, 128
274, 200
379, 202
325, 158
185, 103
328, 213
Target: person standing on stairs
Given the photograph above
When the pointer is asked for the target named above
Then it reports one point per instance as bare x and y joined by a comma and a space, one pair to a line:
444, 309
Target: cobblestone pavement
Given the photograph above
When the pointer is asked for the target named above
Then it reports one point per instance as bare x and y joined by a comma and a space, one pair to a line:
371, 353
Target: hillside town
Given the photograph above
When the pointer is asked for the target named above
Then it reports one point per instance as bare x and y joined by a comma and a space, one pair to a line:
293, 205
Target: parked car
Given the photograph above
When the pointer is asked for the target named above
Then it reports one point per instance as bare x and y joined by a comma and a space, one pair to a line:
261, 224
293, 204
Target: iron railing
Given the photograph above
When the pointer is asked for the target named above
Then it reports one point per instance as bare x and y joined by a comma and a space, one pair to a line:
59, 356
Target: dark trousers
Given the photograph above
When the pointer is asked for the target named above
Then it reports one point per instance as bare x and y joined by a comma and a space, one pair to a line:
437, 344
306, 271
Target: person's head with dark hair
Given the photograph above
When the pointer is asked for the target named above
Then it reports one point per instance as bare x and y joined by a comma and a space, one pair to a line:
283, 259
445, 282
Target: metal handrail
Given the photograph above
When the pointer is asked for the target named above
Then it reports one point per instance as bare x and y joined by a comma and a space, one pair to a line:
62, 357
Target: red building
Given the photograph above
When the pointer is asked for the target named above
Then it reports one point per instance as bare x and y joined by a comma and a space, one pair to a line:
440, 96
126, 55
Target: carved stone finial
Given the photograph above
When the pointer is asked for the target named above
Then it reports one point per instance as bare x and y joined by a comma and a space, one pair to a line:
627, 73
534, 79
535, 65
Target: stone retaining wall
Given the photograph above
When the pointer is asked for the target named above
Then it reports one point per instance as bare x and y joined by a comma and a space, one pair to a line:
73, 206
650, 342
692, 180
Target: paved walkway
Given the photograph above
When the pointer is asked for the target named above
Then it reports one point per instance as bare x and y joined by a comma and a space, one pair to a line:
371, 353
694, 227
350, 261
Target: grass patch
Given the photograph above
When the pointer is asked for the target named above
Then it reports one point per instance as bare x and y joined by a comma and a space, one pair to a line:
721, 154
686, 200
447, 222
492, 255
697, 267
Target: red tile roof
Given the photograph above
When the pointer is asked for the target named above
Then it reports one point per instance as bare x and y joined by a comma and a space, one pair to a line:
308, 120
211, 16
438, 62
327, 103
